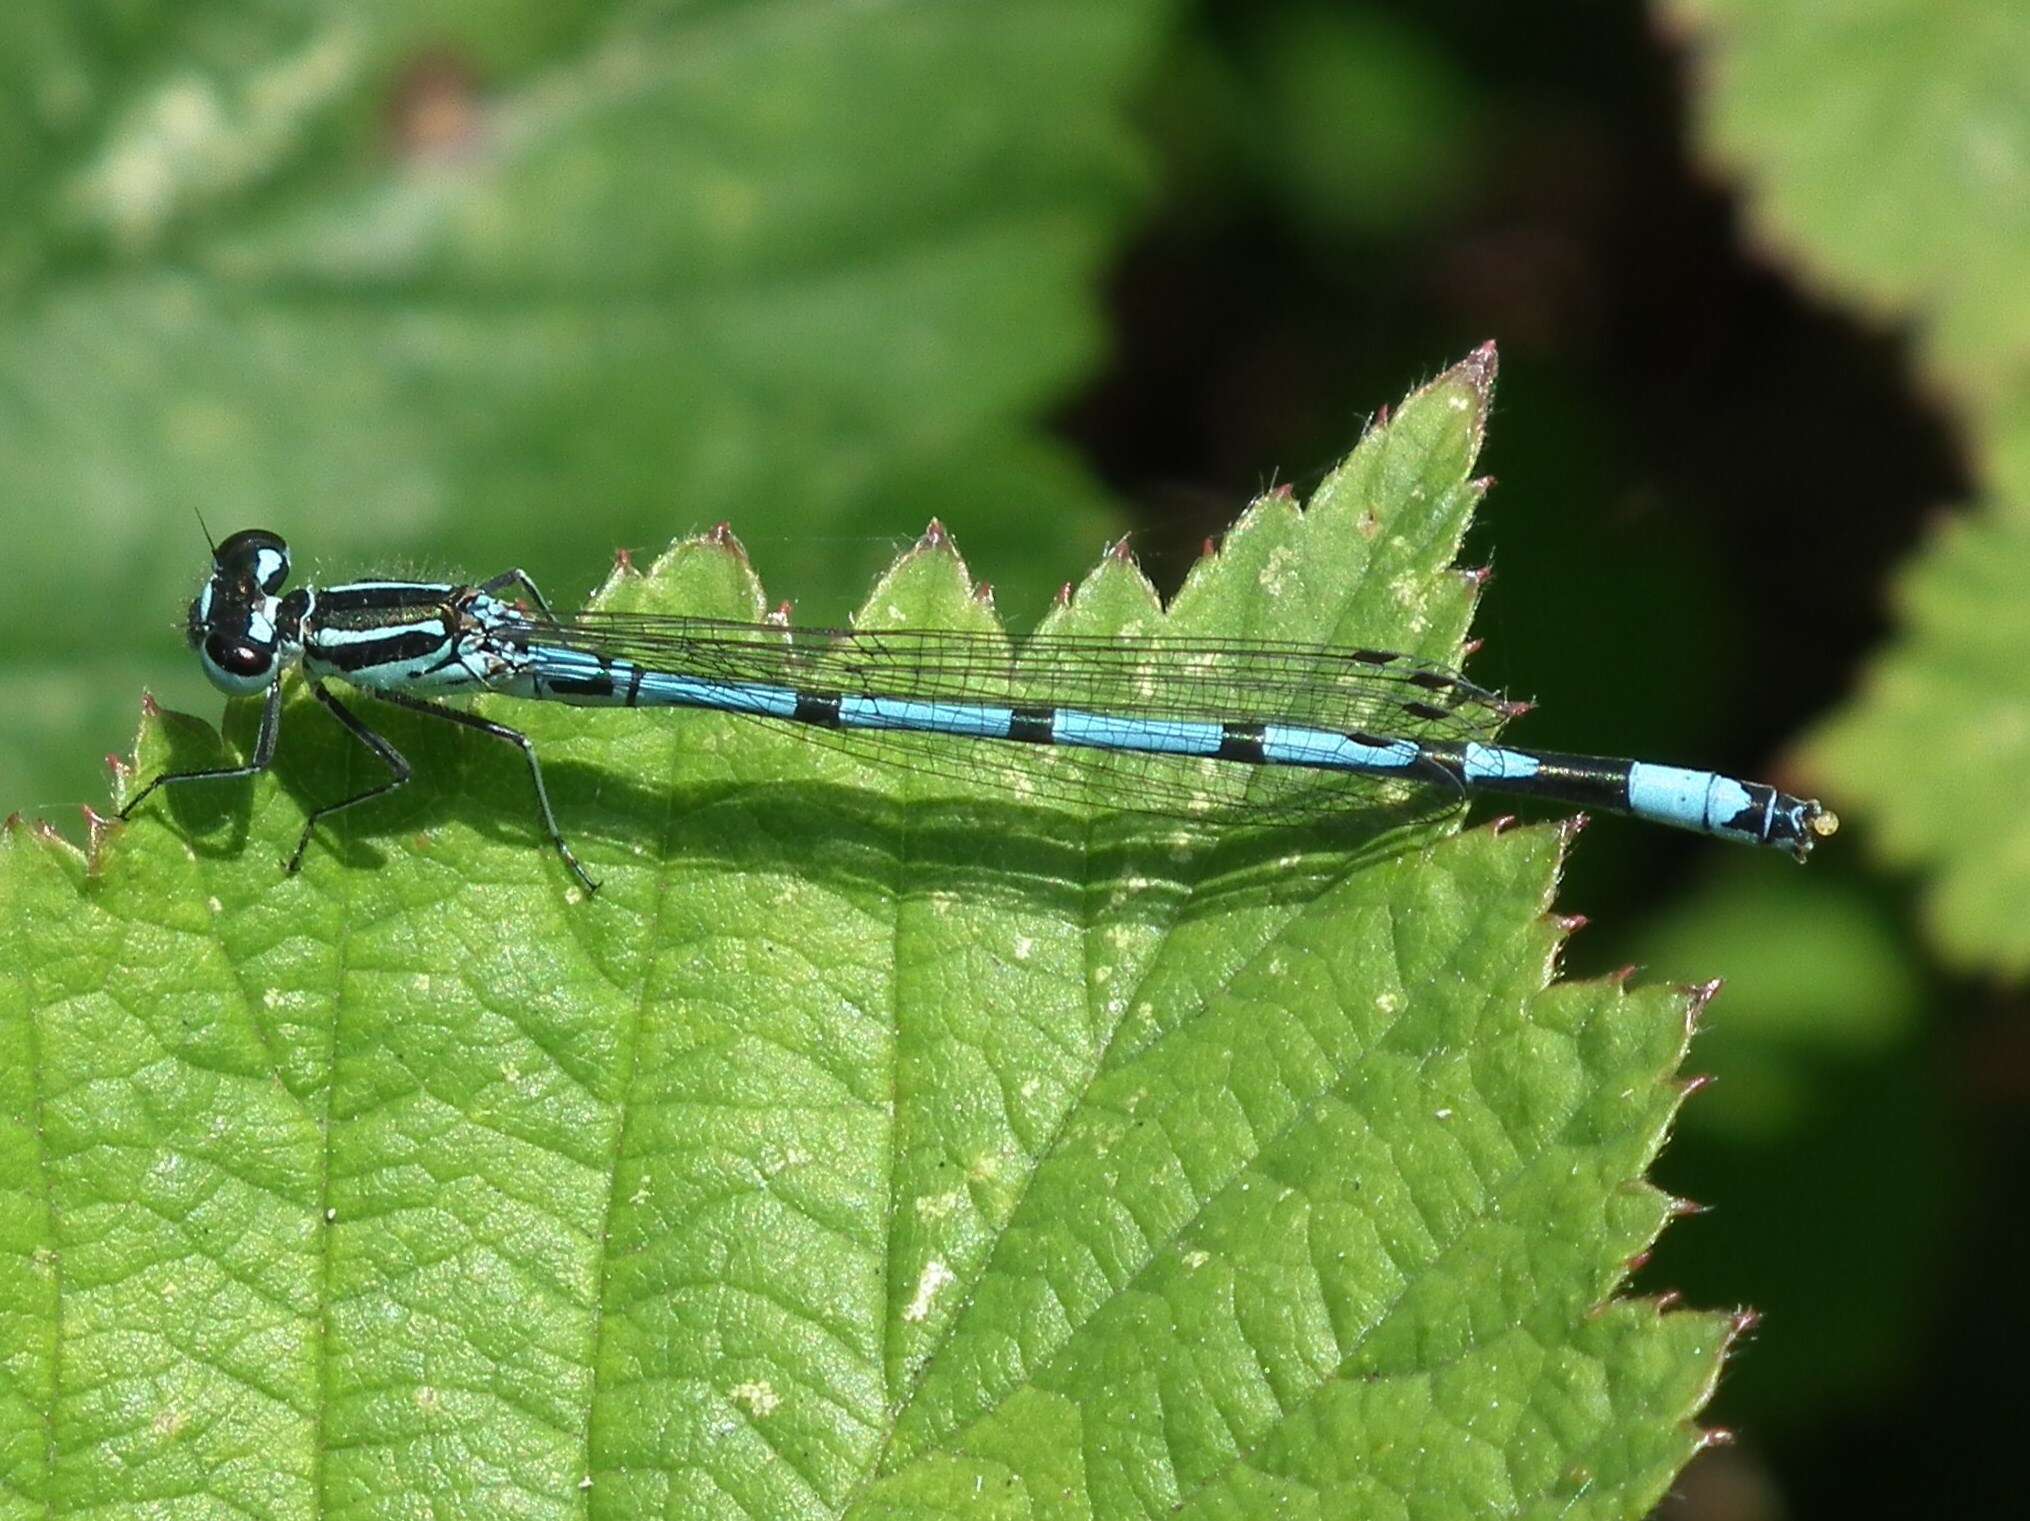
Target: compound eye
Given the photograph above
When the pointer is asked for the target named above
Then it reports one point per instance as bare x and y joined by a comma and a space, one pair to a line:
236, 666
258, 555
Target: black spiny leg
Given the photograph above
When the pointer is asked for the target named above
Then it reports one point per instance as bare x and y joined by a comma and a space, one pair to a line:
398, 767
501, 582
264, 752
520, 740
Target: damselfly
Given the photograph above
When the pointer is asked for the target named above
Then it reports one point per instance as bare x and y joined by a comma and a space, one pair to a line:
1206, 729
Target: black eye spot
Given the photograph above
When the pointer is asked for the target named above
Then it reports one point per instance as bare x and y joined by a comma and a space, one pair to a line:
237, 659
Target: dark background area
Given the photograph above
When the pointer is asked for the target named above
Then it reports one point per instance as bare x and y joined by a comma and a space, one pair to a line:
1707, 479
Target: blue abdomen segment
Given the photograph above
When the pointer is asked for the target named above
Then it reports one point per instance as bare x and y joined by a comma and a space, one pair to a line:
1701, 800
962, 720
1149, 736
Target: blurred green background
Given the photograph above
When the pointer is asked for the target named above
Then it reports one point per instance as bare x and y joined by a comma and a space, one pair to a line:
464, 285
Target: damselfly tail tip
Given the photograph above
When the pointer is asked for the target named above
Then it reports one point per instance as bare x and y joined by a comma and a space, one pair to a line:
1820, 823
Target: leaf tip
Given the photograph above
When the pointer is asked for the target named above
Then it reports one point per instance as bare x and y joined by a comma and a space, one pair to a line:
983, 593
723, 537
1698, 997
97, 826
934, 536
623, 562
1122, 553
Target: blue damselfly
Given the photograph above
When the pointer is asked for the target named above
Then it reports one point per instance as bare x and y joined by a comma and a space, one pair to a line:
1217, 730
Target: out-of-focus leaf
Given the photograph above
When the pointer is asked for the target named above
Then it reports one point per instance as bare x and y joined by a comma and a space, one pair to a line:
1935, 750
1884, 146
874, 1145
1360, 121
487, 282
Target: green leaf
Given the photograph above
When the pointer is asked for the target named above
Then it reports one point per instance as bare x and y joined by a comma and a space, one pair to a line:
1885, 146
488, 281
1935, 750
872, 1145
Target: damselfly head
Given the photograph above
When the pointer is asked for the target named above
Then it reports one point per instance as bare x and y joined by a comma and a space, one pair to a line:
235, 620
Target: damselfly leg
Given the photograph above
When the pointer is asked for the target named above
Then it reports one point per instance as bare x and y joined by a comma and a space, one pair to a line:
527, 746
264, 753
